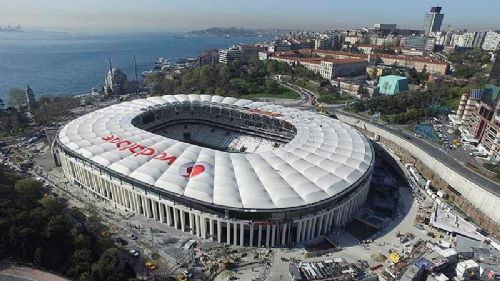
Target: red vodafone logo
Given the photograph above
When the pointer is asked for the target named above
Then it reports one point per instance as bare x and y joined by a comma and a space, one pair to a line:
193, 169
137, 149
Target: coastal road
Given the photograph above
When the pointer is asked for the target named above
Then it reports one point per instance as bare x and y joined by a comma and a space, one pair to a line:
437, 153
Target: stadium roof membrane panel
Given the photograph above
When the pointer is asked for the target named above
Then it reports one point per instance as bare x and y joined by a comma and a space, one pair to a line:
324, 158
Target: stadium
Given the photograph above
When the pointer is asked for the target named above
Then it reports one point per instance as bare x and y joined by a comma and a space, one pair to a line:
231, 170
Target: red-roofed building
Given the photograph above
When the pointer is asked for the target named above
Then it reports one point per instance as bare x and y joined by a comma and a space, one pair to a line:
328, 66
431, 65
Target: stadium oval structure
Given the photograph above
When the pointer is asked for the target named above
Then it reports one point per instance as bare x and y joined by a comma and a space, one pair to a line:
231, 170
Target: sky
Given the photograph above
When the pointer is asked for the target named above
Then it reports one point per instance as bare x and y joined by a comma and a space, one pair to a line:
185, 15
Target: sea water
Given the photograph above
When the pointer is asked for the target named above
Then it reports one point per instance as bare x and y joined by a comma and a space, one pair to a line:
71, 65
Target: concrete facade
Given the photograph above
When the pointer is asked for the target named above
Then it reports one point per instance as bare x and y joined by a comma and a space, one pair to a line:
251, 233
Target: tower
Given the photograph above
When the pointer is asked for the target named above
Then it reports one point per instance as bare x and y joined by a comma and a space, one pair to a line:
433, 20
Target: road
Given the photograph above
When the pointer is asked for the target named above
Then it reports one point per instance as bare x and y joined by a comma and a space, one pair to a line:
431, 149
438, 153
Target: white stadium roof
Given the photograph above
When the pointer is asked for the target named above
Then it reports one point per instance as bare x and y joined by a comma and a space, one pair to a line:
324, 158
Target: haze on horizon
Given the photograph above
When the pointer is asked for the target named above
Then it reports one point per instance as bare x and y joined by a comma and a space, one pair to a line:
185, 15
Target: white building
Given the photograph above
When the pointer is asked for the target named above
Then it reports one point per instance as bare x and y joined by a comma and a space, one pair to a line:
230, 55
491, 41
463, 40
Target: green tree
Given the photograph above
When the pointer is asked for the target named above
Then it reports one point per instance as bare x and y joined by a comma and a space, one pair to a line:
271, 85
81, 262
29, 190
108, 267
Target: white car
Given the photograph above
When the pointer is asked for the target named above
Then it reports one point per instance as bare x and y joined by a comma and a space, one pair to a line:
134, 253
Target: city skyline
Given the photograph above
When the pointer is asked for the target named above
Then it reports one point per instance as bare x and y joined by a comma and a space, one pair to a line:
156, 15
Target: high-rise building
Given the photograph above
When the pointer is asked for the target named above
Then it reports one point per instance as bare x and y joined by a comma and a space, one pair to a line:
433, 20
210, 57
478, 39
479, 113
228, 56
415, 42
491, 41
384, 28
463, 40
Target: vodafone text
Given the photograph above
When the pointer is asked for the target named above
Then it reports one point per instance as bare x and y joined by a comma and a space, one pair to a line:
137, 149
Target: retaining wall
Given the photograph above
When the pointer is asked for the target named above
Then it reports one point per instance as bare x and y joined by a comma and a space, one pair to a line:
485, 201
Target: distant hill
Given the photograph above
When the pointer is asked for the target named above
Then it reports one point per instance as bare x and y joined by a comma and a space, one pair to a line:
224, 31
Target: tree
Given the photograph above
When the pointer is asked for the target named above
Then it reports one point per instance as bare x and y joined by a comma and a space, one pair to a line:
2, 104
272, 66
271, 85
108, 267
17, 97
81, 262
29, 190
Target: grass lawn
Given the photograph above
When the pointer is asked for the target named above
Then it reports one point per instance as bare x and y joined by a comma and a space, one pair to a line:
285, 93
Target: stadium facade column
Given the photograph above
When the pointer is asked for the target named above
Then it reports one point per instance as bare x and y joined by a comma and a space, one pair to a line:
235, 230
313, 228
251, 234
308, 229
228, 232
203, 227
219, 231
169, 215
145, 207
155, 210
122, 196
211, 221
140, 210
197, 223
162, 213
273, 235
176, 218
320, 224
131, 201
183, 220
259, 238
134, 202
330, 219
336, 217
123, 191
299, 231
342, 211
191, 223
268, 234
283, 233
242, 233
118, 193
304, 229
